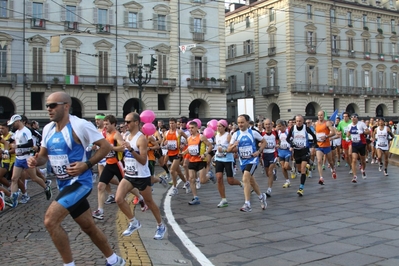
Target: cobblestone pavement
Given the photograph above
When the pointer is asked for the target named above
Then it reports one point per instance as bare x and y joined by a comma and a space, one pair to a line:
340, 223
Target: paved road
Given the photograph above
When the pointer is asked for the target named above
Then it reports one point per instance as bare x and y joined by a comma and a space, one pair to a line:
337, 224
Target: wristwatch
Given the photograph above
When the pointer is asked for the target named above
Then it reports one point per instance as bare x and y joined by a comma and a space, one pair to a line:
89, 164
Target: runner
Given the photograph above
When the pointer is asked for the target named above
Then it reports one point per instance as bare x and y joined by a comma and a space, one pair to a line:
283, 150
381, 134
345, 140
243, 142
269, 153
64, 142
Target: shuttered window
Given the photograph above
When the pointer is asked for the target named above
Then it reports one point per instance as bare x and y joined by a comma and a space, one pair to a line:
103, 66
3, 61
71, 62
37, 64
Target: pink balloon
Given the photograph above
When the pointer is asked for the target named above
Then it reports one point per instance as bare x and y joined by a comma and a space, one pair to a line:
148, 129
213, 124
209, 132
199, 123
147, 116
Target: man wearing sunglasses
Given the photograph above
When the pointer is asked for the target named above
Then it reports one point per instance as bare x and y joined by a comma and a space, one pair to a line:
64, 142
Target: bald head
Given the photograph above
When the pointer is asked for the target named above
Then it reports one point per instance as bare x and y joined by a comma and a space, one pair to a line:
61, 96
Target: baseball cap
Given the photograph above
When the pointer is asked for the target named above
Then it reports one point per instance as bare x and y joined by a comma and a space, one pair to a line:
13, 119
184, 119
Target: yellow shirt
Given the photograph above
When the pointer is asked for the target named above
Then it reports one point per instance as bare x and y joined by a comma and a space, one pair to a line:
12, 156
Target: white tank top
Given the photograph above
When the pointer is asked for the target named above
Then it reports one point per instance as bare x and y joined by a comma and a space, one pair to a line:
382, 139
133, 168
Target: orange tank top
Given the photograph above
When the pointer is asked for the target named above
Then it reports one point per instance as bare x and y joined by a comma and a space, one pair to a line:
112, 157
193, 146
172, 143
322, 130
150, 153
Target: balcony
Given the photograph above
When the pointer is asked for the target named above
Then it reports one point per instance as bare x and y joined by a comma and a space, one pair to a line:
207, 84
70, 25
37, 23
342, 90
271, 90
381, 57
155, 83
311, 49
58, 79
369, 91
366, 55
335, 52
198, 36
395, 58
103, 28
271, 51
351, 54
8, 79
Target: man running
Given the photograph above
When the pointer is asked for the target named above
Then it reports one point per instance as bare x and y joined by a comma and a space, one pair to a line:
345, 140
64, 142
269, 155
283, 150
381, 135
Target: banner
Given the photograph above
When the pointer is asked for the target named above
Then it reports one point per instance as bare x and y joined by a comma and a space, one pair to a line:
183, 48
395, 146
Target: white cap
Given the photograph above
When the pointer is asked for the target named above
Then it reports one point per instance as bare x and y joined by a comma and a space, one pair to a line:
13, 119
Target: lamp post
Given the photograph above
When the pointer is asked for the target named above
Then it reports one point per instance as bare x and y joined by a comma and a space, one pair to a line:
136, 75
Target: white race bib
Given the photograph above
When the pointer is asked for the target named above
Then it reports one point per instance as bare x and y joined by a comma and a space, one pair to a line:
59, 163
172, 145
245, 152
131, 166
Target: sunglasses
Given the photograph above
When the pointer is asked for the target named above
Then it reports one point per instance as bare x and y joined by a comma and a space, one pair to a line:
127, 122
54, 105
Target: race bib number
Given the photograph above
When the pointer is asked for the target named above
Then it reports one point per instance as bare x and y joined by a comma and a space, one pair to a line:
193, 150
245, 152
270, 145
131, 166
59, 163
18, 152
299, 143
283, 146
382, 142
319, 136
355, 138
172, 145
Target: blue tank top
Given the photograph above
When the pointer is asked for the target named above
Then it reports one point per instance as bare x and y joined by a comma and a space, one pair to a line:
246, 147
62, 151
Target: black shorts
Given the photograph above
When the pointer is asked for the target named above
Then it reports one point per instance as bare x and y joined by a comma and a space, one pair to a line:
302, 155
250, 168
368, 141
139, 183
212, 153
361, 149
175, 157
77, 202
196, 166
158, 153
224, 166
110, 170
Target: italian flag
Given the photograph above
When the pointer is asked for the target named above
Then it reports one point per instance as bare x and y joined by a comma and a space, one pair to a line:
71, 79
38, 22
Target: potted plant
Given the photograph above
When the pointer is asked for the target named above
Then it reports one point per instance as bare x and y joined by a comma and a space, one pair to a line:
219, 79
188, 79
56, 80
202, 79
213, 79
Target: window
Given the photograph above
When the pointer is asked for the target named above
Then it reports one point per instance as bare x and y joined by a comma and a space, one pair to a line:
37, 99
248, 45
332, 16
198, 67
248, 83
380, 47
350, 44
394, 80
132, 20
272, 14
366, 45
393, 29
381, 83
102, 100
70, 13
349, 17
232, 84
351, 78
198, 25
271, 77
312, 75
162, 67
3, 60
103, 67
3, 8
71, 62
102, 16
161, 22
309, 12
231, 51
391, 4
393, 48
366, 78
336, 76
272, 39
364, 21
37, 64
231, 27
310, 38
248, 22
37, 10
378, 22
334, 43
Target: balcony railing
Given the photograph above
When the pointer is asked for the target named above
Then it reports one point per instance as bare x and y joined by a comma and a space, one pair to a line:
271, 51
103, 28
207, 84
335, 52
198, 36
270, 90
10, 79
69, 80
70, 25
366, 55
154, 82
311, 49
351, 54
38, 23
342, 90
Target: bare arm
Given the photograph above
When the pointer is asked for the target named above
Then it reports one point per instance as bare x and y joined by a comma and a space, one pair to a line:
120, 142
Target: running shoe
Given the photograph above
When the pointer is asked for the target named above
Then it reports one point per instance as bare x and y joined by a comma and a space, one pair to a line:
350, 172
324, 167
188, 188
274, 174
8, 201
313, 167
131, 228
334, 174
293, 174
385, 172
2, 202
143, 206
136, 200
328, 165
354, 179
241, 184
197, 183
346, 165
367, 160
48, 192
287, 184
174, 192
263, 203
300, 192
98, 215
14, 198
212, 177
380, 167
269, 192
167, 175
223, 203
170, 182
364, 176
24, 199
162, 181
372, 161
246, 208
338, 163
310, 174
119, 262
194, 201
321, 181
160, 232
307, 170
110, 199
278, 164
262, 171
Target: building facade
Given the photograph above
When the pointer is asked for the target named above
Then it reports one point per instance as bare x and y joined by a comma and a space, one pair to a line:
299, 57
97, 40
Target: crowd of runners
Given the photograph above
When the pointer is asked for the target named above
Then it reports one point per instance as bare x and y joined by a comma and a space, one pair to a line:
126, 159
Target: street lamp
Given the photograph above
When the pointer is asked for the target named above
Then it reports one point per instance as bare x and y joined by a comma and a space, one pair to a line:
136, 74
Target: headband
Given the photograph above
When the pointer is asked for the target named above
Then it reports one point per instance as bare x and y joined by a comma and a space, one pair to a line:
99, 117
